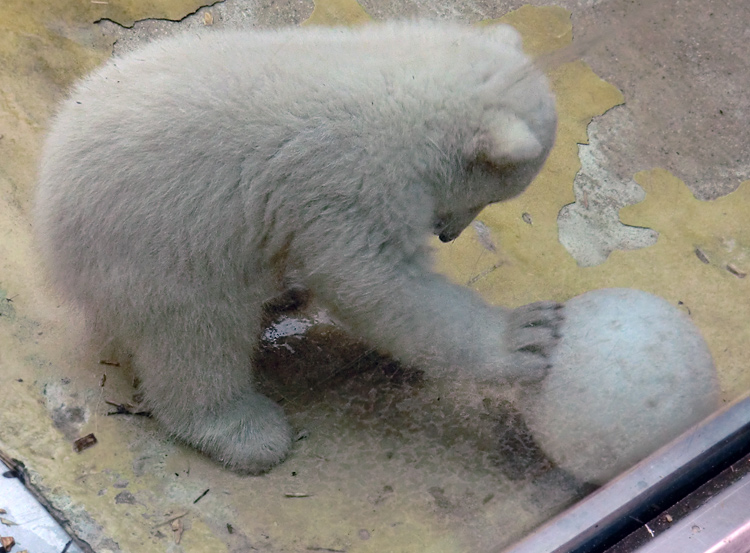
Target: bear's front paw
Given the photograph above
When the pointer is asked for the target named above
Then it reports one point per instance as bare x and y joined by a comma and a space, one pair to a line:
249, 435
533, 332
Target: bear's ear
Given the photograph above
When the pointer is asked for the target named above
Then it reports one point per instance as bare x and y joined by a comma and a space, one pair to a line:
505, 138
504, 34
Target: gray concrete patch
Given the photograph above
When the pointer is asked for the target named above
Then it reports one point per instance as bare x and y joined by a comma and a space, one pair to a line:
590, 229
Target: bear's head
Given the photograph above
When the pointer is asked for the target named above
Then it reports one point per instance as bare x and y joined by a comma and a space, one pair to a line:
504, 148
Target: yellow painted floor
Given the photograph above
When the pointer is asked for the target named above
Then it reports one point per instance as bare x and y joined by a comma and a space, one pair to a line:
392, 461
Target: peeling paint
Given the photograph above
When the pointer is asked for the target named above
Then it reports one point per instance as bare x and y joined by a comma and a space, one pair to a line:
337, 12
590, 228
409, 460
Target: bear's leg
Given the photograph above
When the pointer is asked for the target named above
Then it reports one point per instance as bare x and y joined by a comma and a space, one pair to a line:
423, 319
196, 379
291, 299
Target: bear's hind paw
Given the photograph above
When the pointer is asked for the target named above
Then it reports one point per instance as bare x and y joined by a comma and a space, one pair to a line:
248, 436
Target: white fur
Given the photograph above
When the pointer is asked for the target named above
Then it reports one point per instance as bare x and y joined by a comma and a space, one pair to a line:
184, 185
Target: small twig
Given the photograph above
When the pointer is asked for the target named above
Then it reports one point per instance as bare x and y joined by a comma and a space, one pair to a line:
67, 546
296, 494
201, 496
484, 273
177, 530
735, 271
700, 254
313, 548
84, 443
109, 363
171, 520
125, 409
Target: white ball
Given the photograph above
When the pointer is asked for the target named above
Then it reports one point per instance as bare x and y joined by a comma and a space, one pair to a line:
630, 374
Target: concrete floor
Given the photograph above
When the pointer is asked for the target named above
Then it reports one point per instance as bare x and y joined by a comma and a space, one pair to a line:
658, 118
682, 66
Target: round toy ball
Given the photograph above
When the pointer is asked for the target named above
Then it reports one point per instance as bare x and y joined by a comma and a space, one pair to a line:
630, 374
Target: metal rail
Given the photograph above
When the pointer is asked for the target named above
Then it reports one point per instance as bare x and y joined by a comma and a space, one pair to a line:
668, 475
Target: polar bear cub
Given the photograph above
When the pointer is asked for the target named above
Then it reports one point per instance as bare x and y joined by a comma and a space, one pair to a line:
186, 184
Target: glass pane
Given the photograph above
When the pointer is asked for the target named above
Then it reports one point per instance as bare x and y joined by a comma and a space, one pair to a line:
233, 242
